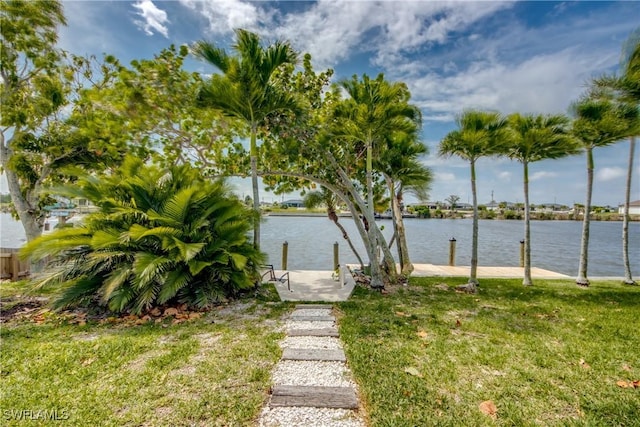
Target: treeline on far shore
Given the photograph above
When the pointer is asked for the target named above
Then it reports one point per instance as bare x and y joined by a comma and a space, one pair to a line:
484, 213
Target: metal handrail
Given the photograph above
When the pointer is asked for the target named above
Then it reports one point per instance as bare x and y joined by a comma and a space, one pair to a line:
281, 280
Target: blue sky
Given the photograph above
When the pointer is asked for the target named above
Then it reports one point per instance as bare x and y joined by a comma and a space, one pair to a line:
508, 56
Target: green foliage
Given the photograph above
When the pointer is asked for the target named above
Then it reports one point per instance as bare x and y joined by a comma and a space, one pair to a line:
159, 236
510, 214
600, 122
422, 211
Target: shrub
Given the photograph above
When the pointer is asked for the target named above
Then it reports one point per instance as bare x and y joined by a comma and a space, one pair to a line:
159, 236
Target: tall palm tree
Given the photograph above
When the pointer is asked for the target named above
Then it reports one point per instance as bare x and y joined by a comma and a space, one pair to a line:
375, 111
599, 122
531, 139
403, 173
479, 134
159, 236
325, 197
626, 88
246, 90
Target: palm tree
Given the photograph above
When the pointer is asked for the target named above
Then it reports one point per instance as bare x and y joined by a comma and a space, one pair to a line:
246, 90
599, 122
325, 197
452, 200
479, 134
403, 173
626, 88
535, 138
160, 236
376, 111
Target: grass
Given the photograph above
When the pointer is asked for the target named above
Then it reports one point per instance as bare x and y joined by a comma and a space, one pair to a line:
210, 371
546, 355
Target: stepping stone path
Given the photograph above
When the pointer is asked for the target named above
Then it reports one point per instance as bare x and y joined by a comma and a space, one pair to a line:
312, 385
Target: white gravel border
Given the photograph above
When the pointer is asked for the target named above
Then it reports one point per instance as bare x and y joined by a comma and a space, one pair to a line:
331, 343
312, 373
311, 312
309, 417
305, 324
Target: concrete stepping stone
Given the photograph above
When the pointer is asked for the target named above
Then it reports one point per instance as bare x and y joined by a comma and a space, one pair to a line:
323, 332
314, 354
317, 397
313, 318
314, 307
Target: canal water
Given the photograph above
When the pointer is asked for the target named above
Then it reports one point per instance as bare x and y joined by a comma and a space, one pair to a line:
555, 245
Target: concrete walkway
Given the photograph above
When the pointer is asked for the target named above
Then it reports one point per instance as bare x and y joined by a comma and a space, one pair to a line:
321, 286
315, 285
426, 270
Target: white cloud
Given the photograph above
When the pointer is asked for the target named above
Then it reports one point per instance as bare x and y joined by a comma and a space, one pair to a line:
227, 15
542, 175
505, 175
444, 176
332, 30
609, 174
542, 84
154, 18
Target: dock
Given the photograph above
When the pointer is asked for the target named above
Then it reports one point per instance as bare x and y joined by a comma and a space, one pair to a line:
321, 285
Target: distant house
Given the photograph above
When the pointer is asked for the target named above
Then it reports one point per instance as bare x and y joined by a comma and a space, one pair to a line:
293, 203
634, 208
551, 207
493, 205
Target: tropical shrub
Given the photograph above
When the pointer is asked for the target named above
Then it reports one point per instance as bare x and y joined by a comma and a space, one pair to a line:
159, 236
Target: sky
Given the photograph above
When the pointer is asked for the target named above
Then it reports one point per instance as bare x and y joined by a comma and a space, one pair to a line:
527, 57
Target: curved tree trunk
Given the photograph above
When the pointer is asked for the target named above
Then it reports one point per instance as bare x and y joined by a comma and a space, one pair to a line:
401, 236
26, 205
628, 277
254, 184
370, 237
473, 273
584, 244
527, 228
333, 216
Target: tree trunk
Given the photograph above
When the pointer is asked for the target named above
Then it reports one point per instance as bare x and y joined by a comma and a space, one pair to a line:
527, 229
628, 277
584, 244
254, 184
30, 216
376, 279
370, 237
401, 236
473, 273
334, 217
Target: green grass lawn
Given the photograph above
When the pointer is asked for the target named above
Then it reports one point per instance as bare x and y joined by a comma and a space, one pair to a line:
210, 371
422, 355
546, 355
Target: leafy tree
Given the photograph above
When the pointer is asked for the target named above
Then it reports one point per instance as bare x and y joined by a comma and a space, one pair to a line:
157, 99
479, 134
159, 236
534, 138
246, 89
31, 91
323, 147
599, 122
375, 112
325, 197
48, 123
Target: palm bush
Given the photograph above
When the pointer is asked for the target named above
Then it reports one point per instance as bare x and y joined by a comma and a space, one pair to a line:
159, 236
